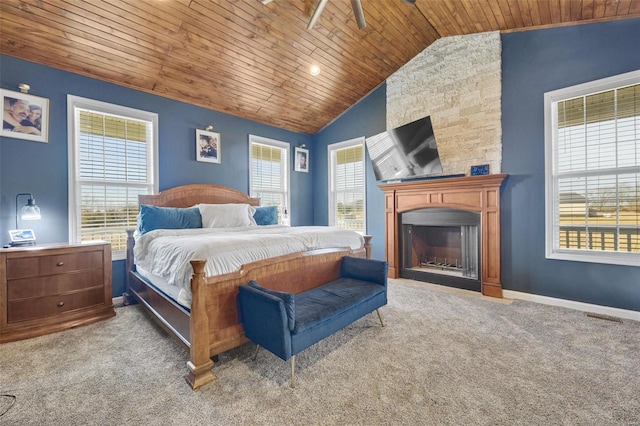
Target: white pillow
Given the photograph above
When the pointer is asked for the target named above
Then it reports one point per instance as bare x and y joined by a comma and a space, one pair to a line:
226, 215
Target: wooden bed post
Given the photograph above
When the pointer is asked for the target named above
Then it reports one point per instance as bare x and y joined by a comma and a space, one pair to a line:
129, 267
368, 246
200, 363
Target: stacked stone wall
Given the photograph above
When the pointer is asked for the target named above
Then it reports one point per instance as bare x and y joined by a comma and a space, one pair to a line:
456, 81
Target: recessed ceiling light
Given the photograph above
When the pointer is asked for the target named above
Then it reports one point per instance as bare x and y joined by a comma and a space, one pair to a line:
314, 70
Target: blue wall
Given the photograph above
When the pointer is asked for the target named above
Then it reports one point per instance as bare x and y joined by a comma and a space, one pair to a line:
41, 168
366, 118
535, 62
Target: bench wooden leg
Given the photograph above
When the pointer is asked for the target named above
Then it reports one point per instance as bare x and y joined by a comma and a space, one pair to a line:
380, 317
293, 371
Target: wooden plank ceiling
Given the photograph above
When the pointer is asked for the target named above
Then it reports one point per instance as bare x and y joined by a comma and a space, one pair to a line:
251, 59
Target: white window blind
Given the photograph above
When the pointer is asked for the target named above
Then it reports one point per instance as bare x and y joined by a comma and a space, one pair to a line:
347, 185
269, 176
111, 163
593, 183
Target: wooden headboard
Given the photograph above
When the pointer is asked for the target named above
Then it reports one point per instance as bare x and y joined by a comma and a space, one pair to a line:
190, 195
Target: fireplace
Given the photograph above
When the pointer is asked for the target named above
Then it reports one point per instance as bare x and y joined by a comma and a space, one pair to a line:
476, 201
441, 246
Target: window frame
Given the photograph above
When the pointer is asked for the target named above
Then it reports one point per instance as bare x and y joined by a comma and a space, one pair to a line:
286, 213
77, 102
332, 148
551, 99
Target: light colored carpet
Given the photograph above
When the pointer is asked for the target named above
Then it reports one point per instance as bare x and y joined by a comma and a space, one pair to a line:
442, 359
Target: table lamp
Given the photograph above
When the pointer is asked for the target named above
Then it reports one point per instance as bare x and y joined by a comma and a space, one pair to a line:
28, 212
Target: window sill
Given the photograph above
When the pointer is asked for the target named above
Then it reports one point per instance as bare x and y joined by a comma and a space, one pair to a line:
118, 255
592, 256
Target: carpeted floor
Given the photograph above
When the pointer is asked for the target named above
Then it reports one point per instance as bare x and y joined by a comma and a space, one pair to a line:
442, 359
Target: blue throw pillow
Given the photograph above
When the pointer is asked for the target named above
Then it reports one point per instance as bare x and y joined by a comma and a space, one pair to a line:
267, 215
153, 217
287, 298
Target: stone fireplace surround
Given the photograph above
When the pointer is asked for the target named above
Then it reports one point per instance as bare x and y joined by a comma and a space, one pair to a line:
472, 193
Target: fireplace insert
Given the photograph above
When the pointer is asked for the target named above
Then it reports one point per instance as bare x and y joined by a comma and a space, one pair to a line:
441, 246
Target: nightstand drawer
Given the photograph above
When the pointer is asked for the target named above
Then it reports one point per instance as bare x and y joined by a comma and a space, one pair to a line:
37, 266
27, 309
28, 288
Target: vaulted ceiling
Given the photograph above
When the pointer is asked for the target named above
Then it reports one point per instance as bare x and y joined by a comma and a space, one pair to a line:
251, 59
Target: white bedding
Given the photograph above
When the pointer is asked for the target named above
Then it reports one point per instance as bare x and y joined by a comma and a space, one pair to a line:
166, 252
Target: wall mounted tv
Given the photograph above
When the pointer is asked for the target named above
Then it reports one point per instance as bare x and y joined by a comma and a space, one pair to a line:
406, 152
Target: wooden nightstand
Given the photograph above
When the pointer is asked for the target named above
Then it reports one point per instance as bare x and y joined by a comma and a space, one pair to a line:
53, 287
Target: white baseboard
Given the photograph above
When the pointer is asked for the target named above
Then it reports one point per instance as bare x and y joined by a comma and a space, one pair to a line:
118, 301
579, 306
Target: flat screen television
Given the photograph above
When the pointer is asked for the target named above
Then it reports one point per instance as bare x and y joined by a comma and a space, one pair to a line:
406, 152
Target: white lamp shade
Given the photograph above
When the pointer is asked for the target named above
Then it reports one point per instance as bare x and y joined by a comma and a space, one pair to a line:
30, 212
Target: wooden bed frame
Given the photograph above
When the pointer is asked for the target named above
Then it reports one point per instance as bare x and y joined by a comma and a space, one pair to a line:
212, 325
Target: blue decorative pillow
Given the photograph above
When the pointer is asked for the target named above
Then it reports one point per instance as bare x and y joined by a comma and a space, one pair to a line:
153, 217
267, 215
287, 298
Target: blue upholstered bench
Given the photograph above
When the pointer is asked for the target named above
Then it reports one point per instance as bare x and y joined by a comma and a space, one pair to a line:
286, 323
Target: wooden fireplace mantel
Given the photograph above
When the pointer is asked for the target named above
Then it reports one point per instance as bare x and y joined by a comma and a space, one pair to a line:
472, 193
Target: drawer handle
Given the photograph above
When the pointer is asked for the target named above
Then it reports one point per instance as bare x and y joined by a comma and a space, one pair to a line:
60, 264
60, 304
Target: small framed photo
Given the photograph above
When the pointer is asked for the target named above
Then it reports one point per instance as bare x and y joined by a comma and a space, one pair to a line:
207, 146
24, 116
302, 160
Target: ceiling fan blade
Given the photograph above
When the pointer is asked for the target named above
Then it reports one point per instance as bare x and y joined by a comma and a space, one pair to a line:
317, 13
358, 13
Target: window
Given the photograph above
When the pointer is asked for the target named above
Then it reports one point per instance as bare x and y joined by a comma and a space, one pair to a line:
347, 185
269, 174
111, 161
592, 145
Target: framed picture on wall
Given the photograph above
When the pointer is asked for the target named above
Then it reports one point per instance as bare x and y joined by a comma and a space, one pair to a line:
24, 116
207, 146
302, 160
